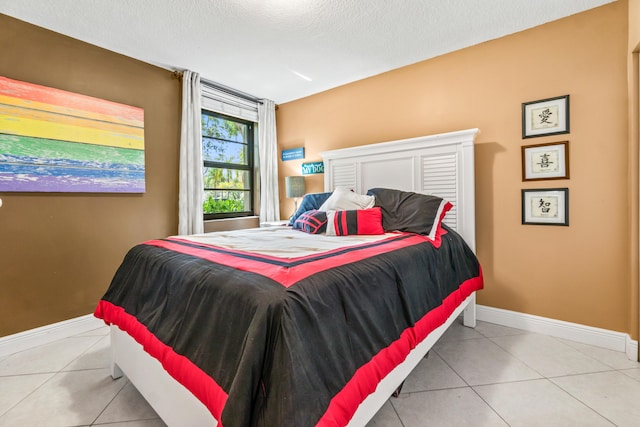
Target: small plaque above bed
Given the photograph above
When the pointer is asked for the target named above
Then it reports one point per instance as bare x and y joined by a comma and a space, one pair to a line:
312, 168
293, 154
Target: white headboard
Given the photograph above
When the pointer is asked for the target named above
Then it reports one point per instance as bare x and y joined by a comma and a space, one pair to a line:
442, 165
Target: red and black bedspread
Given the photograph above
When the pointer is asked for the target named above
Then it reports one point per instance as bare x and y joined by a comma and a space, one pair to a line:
267, 341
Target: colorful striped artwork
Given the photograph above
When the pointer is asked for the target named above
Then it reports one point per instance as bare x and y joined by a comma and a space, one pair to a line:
57, 141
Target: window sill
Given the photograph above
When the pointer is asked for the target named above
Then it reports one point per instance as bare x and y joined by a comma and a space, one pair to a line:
228, 224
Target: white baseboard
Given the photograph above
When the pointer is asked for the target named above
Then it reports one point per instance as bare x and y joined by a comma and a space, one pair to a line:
605, 338
632, 349
48, 333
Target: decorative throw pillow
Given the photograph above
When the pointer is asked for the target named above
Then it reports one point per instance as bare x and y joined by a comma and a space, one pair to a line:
311, 201
362, 221
409, 211
343, 199
313, 222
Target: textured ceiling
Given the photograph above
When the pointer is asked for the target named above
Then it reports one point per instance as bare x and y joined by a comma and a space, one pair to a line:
287, 49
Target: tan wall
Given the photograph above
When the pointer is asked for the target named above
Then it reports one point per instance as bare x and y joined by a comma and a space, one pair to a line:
579, 273
58, 252
634, 24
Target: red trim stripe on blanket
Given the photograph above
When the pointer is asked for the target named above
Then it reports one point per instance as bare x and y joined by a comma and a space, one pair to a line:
194, 379
364, 382
344, 404
288, 271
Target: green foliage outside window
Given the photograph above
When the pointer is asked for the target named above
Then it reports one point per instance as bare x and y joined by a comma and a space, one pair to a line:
213, 205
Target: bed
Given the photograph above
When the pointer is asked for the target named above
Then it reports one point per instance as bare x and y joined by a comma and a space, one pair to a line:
241, 329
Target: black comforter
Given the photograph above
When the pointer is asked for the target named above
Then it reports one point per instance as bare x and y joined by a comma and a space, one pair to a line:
263, 341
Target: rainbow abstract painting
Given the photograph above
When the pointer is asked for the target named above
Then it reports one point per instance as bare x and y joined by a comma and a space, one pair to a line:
57, 141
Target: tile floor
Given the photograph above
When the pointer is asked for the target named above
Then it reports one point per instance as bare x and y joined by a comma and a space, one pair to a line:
490, 376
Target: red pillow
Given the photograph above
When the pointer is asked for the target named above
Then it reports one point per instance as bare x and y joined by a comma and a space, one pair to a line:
361, 221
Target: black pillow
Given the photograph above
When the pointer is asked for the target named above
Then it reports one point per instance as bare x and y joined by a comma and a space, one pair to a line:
409, 211
309, 202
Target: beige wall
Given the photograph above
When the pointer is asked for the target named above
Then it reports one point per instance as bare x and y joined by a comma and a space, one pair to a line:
58, 252
634, 24
581, 273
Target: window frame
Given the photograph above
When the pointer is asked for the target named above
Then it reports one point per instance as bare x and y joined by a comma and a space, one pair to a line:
249, 167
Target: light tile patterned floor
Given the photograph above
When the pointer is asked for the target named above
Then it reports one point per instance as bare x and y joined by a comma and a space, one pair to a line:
490, 376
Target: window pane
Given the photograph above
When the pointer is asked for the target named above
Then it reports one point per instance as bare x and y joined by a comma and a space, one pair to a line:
227, 148
216, 150
224, 140
221, 128
223, 178
222, 201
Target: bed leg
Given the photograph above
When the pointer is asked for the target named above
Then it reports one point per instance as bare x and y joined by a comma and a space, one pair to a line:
469, 314
397, 391
114, 369
116, 372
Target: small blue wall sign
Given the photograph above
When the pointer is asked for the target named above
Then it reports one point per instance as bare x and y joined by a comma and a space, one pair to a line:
293, 154
311, 168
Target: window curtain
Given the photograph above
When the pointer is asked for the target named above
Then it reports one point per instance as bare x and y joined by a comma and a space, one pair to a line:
190, 215
268, 153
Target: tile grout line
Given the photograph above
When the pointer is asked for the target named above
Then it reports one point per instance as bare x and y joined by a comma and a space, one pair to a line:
550, 379
580, 400
469, 385
53, 375
110, 402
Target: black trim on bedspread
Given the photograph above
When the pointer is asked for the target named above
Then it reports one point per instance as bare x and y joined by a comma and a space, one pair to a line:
282, 353
285, 262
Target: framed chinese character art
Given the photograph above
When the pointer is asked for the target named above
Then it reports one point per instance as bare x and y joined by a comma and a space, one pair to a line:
545, 117
545, 206
545, 161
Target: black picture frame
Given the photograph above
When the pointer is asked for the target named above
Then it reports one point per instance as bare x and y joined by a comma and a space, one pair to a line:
545, 206
545, 117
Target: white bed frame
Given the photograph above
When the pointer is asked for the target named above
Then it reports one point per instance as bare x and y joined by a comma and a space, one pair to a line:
441, 164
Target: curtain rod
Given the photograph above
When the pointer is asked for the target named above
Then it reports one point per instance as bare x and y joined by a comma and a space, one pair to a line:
223, 88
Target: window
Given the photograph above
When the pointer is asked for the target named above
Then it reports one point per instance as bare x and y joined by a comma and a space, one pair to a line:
227, 152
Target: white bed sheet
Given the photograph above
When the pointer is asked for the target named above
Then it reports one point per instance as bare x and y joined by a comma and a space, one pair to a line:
269, 241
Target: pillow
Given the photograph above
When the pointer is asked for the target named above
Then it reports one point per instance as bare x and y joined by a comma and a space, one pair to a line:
313, 222
311, 201
343, 199
408, 211
362, 221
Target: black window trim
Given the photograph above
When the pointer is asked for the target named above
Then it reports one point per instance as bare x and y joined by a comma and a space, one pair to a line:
248, 167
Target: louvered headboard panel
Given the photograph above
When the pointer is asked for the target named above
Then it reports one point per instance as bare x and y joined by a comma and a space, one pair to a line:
439, 178
344, 175
442, 165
